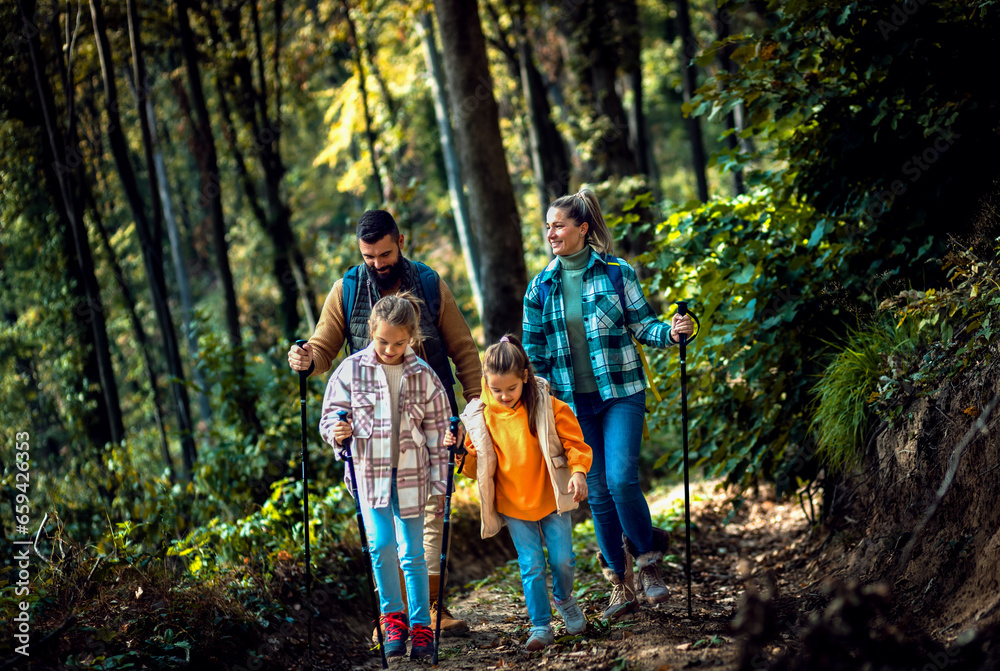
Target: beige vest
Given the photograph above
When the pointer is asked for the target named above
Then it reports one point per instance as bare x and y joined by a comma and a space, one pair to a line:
486, 459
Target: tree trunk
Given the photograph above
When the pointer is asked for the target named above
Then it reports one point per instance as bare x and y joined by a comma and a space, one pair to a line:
152, 253
549, 156
590, 32
142, 340
180, 268
65, 173
211, 191
491, 194
631, 40
727, 65
456, 189
689, 78
369, 128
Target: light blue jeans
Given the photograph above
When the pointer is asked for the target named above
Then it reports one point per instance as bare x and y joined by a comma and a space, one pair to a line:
613, 429
556, 532
393, 542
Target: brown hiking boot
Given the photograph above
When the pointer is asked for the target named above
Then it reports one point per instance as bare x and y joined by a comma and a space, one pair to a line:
623, 600
649, 583
450, 626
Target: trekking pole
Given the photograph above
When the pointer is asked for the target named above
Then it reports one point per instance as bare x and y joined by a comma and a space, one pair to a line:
452, 451
303, 375
683, 342
345, 454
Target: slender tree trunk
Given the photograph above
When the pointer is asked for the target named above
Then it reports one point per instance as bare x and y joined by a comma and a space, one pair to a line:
591, 33
293, 277
369, 128
631, 37
145, 346
65, 173
151, 247
549, 156
212, 193
456, 189
689, 78
180, 268
727, 65
484, 165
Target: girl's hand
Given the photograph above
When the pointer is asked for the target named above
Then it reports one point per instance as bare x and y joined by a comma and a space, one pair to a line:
342, 431
439, 505
578, 486
681, 324
449, 439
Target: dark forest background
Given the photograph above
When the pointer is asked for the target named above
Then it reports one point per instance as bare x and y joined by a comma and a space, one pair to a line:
181, 179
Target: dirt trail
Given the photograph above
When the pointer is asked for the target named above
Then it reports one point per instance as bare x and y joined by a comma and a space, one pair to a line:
656, 638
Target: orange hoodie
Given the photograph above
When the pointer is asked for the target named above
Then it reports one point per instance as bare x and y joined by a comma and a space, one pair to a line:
523, 488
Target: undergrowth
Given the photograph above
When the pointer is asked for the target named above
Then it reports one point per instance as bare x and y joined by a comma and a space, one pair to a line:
918, 341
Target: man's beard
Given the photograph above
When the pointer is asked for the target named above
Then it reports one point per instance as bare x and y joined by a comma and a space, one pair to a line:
388, 279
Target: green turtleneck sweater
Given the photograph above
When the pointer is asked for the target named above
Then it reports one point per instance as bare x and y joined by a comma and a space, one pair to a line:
571, 270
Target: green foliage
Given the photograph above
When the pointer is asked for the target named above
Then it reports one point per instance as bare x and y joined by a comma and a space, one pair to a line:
846, 387
835, 108
758, 275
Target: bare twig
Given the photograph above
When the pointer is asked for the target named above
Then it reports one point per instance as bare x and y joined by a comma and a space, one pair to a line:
956, 457
37, 536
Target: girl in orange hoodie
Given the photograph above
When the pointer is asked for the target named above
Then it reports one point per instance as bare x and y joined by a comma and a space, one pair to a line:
527, 453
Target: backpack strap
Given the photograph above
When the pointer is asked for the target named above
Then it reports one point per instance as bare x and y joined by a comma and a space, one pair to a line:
430, 282
615, 275
350, 287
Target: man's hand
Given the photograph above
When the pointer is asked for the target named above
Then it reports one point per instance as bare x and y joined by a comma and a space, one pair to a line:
300, 358
342, 431
578, 486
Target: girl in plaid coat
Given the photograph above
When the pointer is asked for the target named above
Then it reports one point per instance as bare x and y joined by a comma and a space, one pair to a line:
399, 416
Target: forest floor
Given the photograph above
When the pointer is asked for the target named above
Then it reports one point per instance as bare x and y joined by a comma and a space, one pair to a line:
763, 536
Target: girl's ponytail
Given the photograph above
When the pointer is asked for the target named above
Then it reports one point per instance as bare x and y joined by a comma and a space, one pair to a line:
508, 356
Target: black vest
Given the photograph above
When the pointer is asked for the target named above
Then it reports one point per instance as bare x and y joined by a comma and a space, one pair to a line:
432, 348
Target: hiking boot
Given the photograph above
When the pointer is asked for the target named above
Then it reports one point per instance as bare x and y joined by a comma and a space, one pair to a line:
539, 638
396, 633
422, 645
649, 584
623, 599
575, 621
450, 625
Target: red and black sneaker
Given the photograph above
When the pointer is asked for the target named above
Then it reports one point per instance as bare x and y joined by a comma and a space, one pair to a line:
423, 642
396, 632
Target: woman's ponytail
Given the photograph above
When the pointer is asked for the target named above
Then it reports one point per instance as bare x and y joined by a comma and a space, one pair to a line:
581, 207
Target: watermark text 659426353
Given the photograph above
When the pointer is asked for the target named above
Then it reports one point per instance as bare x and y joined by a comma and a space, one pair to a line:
22, 517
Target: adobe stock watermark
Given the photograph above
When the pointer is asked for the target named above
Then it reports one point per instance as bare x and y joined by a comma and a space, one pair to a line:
912, 169
900, 14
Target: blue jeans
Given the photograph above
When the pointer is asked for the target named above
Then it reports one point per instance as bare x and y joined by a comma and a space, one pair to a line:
556, 531
613, 429
383, 527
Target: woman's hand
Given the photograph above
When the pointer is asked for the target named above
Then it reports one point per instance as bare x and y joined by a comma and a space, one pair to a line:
578, 486
681, 324
449, 439
342, 431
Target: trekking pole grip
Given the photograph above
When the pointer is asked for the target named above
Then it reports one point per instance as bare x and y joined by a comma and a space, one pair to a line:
682, 309
345, 447
303, 374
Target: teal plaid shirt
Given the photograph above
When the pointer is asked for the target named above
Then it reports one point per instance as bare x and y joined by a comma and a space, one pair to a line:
616, 362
